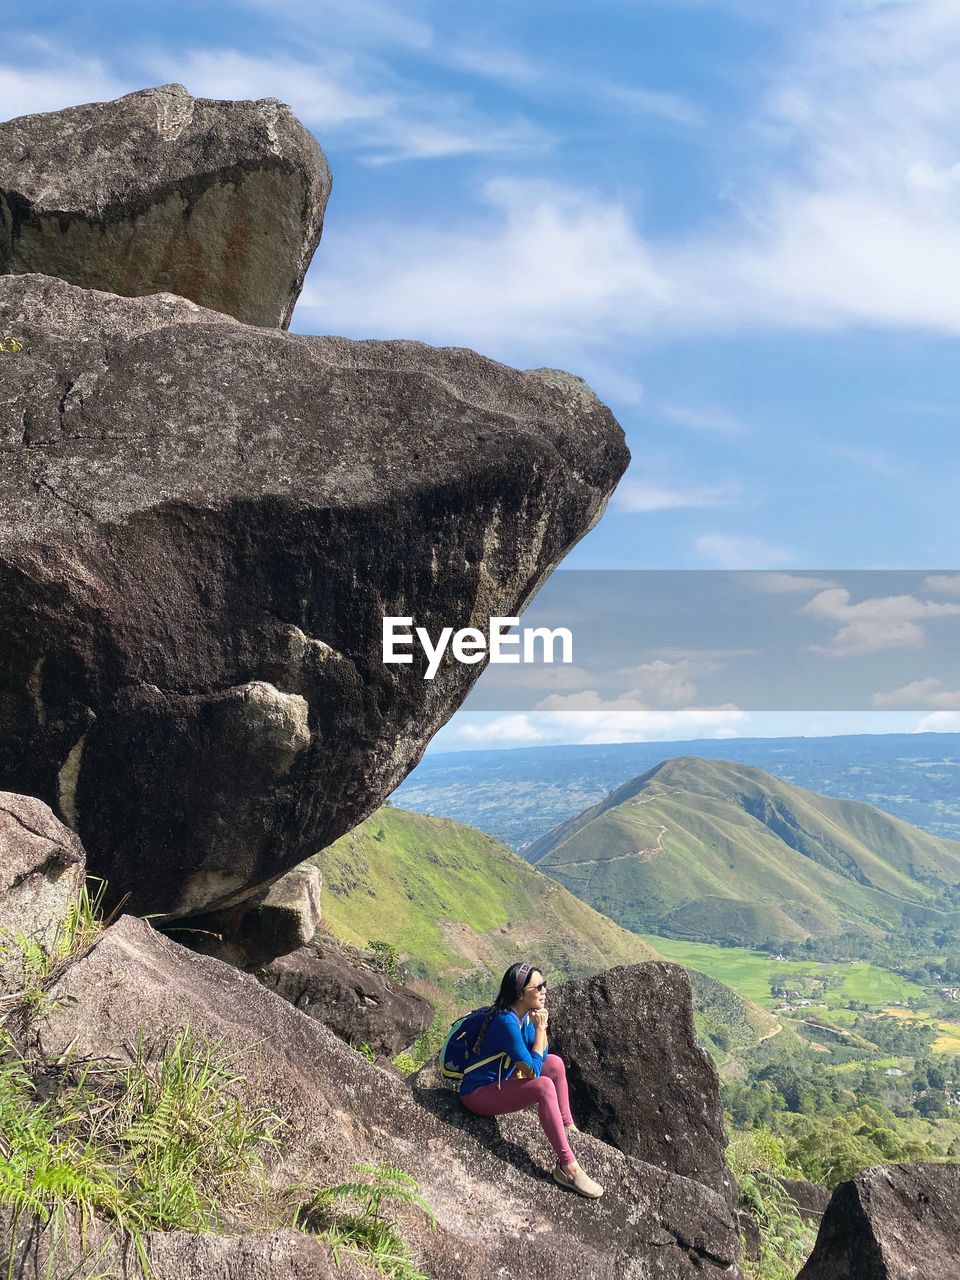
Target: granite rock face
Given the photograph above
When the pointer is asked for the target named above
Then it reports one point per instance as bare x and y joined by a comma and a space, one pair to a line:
41, 872
891, 1222
638, 1077
331, 983
202, 526
499, 1213
39, 1251
810, 1198
160, 192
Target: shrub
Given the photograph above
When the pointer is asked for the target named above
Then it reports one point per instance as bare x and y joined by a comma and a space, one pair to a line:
757, 1158
785, 1239
386, 959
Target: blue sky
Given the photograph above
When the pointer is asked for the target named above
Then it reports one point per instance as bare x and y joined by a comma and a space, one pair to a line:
738, 219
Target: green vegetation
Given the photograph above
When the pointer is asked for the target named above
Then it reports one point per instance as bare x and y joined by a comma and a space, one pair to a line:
386, 958
41, 965
754, 974
159, 1144
458, 908
370, 1229
8, 343
758, 1160
167, 1142
726, 1023
714, 851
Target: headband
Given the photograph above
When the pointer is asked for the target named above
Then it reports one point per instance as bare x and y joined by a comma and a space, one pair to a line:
523, 974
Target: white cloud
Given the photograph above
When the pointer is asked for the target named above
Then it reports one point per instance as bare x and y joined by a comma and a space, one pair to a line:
581, 718
939, 722
927, 178
496, 62
875, 624
335, 93
510, 728
703, 419
945, 584
727, 551
773, 583
928, 692
638, 496
64, 82
665, 684
650, 102
352, 22
544, 268
837, 231
609, 721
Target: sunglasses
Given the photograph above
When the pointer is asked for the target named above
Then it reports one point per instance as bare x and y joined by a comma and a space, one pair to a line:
541, 986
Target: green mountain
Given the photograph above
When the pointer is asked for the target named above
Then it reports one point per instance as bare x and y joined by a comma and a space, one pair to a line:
716, 851
460, 907
457, 903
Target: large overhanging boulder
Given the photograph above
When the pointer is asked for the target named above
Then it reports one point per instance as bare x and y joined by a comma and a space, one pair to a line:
202, 526
221, 202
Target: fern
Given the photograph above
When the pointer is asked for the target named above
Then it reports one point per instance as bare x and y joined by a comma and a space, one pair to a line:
370, 1231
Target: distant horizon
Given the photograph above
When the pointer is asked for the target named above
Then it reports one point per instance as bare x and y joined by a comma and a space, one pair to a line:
938, 735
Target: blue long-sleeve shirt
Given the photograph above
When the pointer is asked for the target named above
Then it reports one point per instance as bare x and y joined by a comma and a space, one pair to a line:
505, 1036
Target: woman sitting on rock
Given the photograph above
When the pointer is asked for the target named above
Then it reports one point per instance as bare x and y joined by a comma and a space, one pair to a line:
515, 1031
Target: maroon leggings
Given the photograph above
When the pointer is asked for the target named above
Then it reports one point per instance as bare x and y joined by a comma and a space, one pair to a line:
547, 1092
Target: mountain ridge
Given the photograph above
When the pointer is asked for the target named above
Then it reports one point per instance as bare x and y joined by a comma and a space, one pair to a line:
722, 851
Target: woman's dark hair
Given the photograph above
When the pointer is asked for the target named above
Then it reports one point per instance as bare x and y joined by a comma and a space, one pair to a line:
512, 986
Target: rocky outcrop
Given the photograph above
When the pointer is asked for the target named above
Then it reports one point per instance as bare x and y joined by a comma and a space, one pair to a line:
891, 1222
332, 983
203, 525
274, 922
41, 871
41, 1251
811, 1198
498, 1211
637, 1074
160, 192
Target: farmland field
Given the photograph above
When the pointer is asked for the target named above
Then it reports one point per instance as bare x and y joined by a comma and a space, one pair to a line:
749, 973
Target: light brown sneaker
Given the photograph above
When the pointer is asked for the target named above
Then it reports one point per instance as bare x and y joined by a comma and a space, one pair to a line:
578, 1182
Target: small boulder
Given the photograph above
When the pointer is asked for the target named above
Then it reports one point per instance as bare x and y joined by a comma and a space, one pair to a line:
638, 1076
811, 1198
41, 873
274, 922
891, 1222
161, 192
335, 985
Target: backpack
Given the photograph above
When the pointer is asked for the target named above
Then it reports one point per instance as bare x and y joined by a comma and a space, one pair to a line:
458, 1048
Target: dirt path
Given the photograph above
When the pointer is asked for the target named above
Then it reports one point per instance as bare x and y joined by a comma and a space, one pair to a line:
645, 855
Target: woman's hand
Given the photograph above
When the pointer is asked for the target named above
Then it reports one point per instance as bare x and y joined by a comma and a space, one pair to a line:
539, 1019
